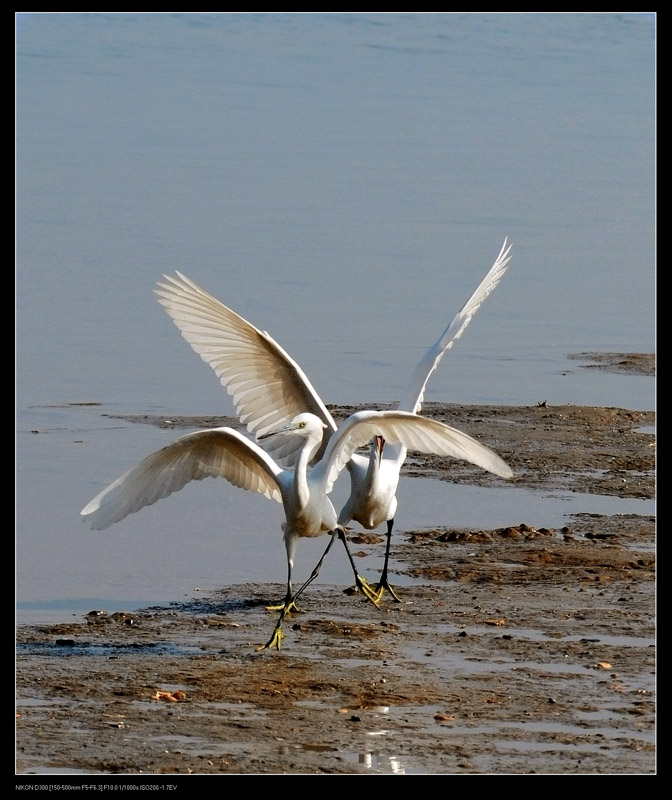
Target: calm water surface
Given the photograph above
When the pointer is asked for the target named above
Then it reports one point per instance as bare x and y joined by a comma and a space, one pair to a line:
344, 181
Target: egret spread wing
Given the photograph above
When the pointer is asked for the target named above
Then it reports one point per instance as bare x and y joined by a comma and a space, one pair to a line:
416, 386
218, 452
267, 386
413, 433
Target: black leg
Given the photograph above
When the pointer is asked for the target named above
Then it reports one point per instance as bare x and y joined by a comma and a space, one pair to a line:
318, 566
290, 601
360, 582
383, 584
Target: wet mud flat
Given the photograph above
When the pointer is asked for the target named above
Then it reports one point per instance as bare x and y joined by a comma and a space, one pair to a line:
514, 651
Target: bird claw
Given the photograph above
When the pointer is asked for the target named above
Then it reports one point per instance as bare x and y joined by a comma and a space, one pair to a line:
368, 591
380, 590
274, 641
287, 609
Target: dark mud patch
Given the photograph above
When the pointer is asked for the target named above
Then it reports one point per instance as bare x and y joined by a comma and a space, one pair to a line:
632, 363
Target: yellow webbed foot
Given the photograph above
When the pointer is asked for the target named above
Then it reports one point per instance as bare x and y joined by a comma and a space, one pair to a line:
275, 641
383, 587
367, 590
292, 607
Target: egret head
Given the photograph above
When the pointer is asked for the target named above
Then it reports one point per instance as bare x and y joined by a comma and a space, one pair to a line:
304, 424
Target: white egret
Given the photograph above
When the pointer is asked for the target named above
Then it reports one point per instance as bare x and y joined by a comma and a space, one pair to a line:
268, 388
303, 491
374, 481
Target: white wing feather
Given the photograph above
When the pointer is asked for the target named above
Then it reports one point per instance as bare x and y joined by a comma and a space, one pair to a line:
267, 386
215, 453
413, 432
416, 386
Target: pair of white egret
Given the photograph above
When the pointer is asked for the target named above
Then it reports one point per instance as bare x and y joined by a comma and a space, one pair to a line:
276, 401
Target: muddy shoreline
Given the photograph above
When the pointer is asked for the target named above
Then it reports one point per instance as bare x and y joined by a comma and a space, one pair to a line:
517, 650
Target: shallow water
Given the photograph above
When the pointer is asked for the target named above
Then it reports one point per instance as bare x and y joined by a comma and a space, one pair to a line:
344, 181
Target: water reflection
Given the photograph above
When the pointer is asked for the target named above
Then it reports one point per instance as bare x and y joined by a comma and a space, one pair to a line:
382, 763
